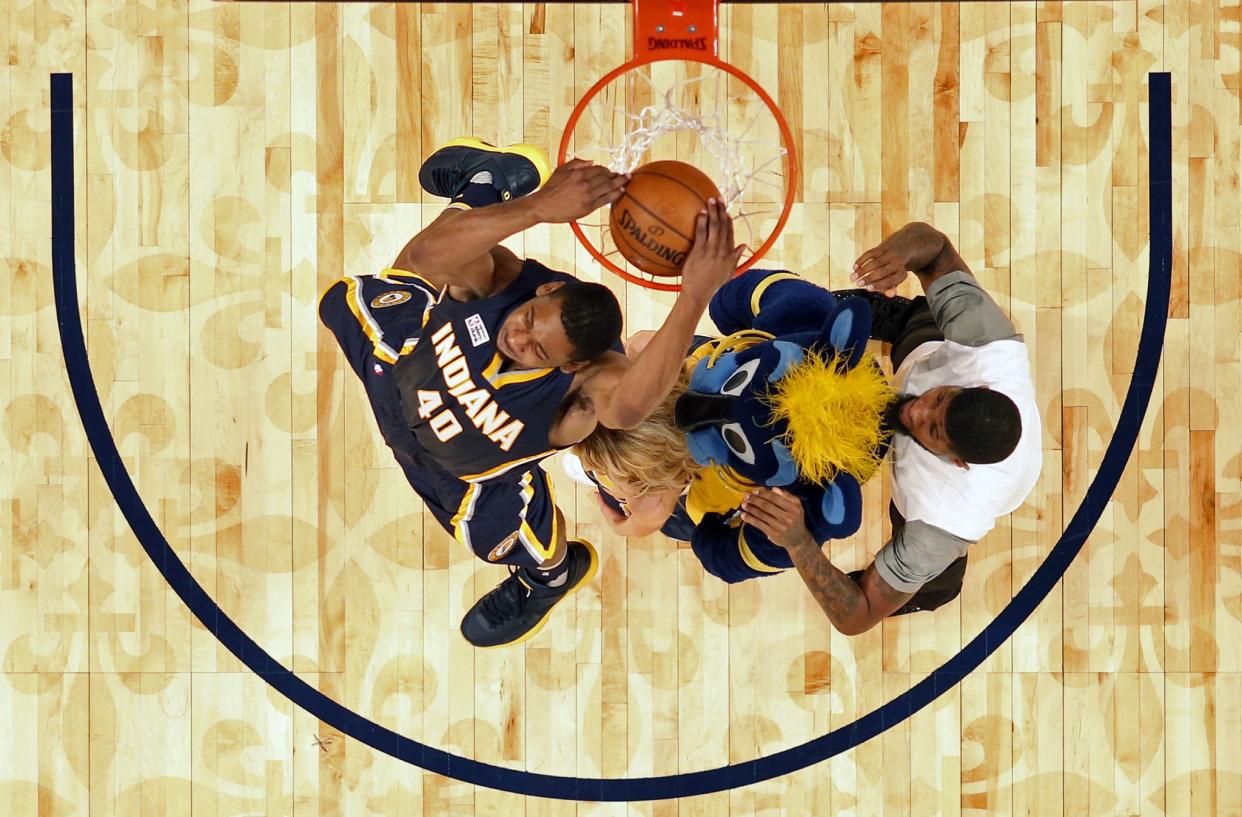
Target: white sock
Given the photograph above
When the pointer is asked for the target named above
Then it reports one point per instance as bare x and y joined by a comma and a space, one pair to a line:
482, 177
539, 575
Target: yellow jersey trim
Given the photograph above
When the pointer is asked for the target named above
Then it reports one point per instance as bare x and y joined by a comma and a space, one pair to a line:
507, 466
493, 375
389, 273
465, 511
369, 327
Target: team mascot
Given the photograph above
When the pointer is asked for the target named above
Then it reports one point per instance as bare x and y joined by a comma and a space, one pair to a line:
787, 399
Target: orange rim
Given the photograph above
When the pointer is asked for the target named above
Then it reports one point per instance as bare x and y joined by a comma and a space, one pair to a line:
791, 160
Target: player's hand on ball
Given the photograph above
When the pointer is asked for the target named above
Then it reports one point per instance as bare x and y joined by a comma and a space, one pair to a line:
575, 190
879, 269
779, 515
713, 259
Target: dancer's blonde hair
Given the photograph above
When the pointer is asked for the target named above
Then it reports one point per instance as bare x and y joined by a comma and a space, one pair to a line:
651, 458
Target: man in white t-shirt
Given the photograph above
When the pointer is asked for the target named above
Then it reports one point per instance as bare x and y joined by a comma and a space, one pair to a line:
966, 445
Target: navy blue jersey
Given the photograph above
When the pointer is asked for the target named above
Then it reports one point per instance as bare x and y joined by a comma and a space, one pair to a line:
473, 419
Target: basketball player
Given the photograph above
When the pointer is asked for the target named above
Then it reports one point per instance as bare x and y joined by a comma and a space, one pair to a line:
966, 447
479, 364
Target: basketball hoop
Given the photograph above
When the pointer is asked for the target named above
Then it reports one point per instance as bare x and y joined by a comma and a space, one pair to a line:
676, 99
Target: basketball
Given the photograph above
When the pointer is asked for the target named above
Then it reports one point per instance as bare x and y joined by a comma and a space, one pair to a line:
652, 223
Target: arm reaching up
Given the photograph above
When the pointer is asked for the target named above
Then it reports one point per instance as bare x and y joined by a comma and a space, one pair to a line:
962, 310
917, 247
624, 393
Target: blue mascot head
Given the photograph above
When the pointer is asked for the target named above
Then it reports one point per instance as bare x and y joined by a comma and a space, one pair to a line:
801, 411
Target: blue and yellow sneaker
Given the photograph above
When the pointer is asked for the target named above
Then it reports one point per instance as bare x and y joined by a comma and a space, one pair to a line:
517, 170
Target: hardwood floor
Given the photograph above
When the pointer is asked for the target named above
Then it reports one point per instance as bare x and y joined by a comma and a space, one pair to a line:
233, 159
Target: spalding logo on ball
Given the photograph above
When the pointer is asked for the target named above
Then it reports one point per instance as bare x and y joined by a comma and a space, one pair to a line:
653, 222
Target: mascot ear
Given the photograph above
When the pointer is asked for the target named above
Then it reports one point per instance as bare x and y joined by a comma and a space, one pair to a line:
847, 329
833, 511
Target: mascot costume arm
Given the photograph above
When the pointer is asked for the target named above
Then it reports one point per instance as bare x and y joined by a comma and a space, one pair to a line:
772, 301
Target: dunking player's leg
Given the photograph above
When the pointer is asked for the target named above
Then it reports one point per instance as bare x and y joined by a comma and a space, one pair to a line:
551, 571
471, 173
453, 172
545, 568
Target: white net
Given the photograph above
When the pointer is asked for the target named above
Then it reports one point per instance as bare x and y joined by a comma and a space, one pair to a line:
731, 153
698, 114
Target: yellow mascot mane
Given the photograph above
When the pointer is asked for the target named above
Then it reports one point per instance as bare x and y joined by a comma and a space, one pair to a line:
834, 417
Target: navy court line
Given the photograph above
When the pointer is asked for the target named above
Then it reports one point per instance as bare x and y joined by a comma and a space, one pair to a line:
313, 701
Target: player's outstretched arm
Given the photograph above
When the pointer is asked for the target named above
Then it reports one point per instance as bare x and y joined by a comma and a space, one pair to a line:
917, 247
625, 393
851, 608
454, 250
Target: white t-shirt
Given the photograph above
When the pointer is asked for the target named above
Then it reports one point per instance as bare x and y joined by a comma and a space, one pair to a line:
967, 501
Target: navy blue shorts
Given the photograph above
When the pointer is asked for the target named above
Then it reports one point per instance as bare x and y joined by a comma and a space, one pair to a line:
376, 319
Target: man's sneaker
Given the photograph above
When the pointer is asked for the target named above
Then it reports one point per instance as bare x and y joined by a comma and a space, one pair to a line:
517, 608
888, 314
516, 170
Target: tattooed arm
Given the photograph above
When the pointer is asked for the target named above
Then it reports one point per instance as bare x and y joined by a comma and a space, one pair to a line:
851, 608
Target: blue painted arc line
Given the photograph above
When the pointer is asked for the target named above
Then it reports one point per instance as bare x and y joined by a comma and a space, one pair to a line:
99, 435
